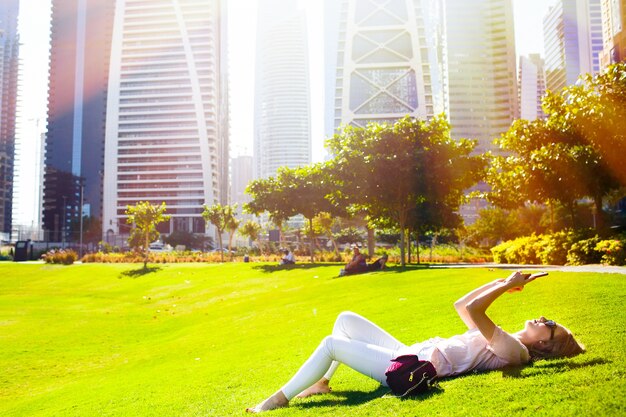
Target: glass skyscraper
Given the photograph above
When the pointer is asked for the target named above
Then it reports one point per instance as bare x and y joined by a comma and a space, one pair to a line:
79, 57
282, 114
9, 52
480, 68
573, 41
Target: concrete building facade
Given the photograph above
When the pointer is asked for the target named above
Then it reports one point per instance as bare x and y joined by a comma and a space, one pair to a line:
167, 115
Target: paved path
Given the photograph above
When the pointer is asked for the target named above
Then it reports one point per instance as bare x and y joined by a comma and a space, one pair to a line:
581, 268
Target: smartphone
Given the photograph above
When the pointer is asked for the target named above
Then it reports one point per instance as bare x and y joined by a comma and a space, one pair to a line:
536, 275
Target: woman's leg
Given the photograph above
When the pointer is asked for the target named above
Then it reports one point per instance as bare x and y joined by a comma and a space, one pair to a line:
366, 358
356, 327
356, 342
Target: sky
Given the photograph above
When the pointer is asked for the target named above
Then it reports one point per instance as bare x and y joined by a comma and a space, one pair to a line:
34, 52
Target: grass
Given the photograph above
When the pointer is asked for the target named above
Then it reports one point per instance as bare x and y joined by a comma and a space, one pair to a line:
209, 340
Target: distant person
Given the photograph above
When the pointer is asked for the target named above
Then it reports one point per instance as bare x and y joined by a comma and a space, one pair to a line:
368, 349
357, 264
288, 258
378, 264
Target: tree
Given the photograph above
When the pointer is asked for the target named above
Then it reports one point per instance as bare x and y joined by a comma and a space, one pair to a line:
294, 191
144, 217
187, 239
576, 152
251, 230
306, 190
232, 224
325, 222
410, 173
219, 216
267, 196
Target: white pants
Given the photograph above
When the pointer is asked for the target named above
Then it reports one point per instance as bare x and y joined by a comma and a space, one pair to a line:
355, 342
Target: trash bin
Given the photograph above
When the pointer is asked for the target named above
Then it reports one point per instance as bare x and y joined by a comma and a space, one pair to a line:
21, 250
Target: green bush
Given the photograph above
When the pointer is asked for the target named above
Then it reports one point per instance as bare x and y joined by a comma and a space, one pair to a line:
584, 252
553, 248
60, 256
613, 251
517, 251
549, 249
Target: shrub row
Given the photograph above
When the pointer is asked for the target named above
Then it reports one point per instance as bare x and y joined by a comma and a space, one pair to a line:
60, 256
560, 248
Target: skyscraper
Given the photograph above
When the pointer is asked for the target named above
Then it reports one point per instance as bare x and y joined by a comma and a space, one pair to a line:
282, 120
166, 124
242, 173
573, 41
9, 49
480, 68
384, 59
77, 96
613, 32
532, 86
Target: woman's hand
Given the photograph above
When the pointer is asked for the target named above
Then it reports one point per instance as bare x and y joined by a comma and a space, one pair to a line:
517, 280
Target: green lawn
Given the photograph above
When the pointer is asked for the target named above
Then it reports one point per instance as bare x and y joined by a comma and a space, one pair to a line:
209, 340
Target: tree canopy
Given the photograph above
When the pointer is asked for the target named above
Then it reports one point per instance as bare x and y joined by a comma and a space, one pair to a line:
410, 174
144, 217
576, 152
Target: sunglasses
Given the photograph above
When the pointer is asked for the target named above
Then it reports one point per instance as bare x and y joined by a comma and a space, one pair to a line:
552, 325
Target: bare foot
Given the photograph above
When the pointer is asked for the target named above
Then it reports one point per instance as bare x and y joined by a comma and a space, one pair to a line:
320, 387
277, 400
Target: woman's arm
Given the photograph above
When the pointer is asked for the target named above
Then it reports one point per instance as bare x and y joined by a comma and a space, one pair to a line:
461, 304
477, 308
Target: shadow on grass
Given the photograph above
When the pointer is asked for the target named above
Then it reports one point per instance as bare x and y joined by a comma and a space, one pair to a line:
410, 267
552, 366
338, 265
135, 273
353, 398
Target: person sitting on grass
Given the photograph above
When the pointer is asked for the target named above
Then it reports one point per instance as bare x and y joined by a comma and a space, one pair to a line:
368, 349
378, 264
357, 264
288, 259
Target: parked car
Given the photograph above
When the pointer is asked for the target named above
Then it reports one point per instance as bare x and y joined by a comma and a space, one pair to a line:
159, 247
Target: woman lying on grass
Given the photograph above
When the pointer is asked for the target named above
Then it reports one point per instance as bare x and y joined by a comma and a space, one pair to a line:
368, 349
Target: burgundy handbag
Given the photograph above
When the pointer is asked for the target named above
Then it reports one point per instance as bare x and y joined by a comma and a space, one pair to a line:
408, 375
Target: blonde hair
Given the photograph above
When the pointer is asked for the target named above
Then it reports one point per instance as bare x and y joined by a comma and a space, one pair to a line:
564, 345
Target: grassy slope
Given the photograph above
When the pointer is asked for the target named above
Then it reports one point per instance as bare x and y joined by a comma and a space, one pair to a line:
192, 340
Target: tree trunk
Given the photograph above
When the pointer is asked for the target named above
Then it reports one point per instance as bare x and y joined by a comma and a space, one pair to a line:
551, 206
311, 238
402, 245
219, 239
408, 247
417, 247
371, 244
146, 250
598, 213
230, 244
332, 239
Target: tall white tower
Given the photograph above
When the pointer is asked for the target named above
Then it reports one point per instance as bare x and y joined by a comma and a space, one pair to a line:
165, 138
386, 63
282, 126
